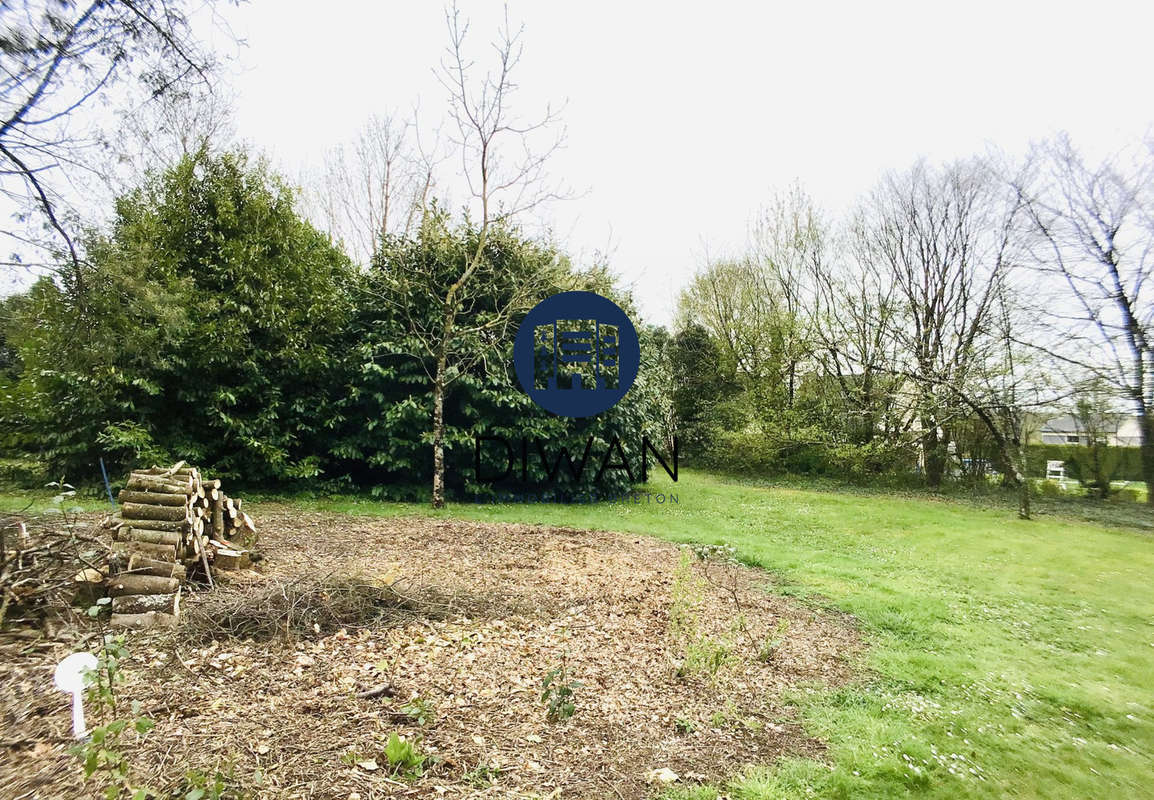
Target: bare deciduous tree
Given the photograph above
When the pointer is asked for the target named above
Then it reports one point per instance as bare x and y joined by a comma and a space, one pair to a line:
940, 238
854, 312
1007, 383
1094, 228
57, 59
941, 251
375, 186
157, 132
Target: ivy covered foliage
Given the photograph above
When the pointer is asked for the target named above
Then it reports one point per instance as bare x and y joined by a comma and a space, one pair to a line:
212, 323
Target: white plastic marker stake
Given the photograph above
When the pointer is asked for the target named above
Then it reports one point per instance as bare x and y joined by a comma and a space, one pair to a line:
70, 678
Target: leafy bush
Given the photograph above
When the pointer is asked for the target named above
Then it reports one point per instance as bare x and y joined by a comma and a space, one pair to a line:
1128, 467
207, 325
753, 452
1127, 495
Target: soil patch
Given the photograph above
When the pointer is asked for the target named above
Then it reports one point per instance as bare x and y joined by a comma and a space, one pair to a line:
674, 663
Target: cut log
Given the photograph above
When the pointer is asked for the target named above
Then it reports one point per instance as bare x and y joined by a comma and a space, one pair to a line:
218, 517
183, 481
150, 619
247, 523
145, 484
141, 584
152, 498
142, 511
89, 575
131, 534
159, 552
182, 525
228, 558
213, 484
139, 564
162, 471
87, 587
179, 466
143, 603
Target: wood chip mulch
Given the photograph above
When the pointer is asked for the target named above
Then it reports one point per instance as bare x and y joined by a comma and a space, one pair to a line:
522, 600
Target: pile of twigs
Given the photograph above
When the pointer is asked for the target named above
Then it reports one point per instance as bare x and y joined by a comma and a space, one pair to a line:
305, 608
44, 563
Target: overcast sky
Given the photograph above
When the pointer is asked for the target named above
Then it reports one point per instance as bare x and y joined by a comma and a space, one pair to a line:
683, 121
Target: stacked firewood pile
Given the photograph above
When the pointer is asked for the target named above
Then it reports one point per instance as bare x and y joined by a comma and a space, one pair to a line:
172, 522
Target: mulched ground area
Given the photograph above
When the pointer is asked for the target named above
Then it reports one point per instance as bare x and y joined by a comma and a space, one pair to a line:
513, 603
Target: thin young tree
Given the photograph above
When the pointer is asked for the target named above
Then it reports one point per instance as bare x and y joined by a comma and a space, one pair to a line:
503, 161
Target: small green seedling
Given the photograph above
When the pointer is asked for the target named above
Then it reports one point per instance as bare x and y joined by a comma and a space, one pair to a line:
558, 695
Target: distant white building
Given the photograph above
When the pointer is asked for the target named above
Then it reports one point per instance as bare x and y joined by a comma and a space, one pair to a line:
1122, 431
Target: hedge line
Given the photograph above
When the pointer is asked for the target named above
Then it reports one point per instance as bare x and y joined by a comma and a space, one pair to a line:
1128, 460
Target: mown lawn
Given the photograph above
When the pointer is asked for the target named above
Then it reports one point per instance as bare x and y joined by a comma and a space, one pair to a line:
1007, 658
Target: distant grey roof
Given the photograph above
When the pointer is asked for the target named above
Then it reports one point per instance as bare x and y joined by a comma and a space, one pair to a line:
1063, 424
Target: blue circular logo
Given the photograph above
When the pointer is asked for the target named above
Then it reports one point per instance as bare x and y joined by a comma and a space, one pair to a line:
576, 354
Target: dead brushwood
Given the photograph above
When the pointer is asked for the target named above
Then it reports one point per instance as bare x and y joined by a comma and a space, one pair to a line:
306, 608
44, 562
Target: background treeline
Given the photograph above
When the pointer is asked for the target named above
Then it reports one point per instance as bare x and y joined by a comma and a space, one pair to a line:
933, 328
211, 322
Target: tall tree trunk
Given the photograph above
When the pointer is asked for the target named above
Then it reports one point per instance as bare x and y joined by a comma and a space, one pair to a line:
1146, 448
1023, 499
439, 437
1016, 460
932, 447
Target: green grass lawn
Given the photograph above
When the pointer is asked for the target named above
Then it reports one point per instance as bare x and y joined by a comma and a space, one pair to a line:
1006, 658
38, 501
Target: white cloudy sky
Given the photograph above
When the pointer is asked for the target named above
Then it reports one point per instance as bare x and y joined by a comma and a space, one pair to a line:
682, 120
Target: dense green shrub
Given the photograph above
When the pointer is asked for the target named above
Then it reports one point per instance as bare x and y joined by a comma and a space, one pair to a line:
213, 324
388, 406
204, 327
752, 452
